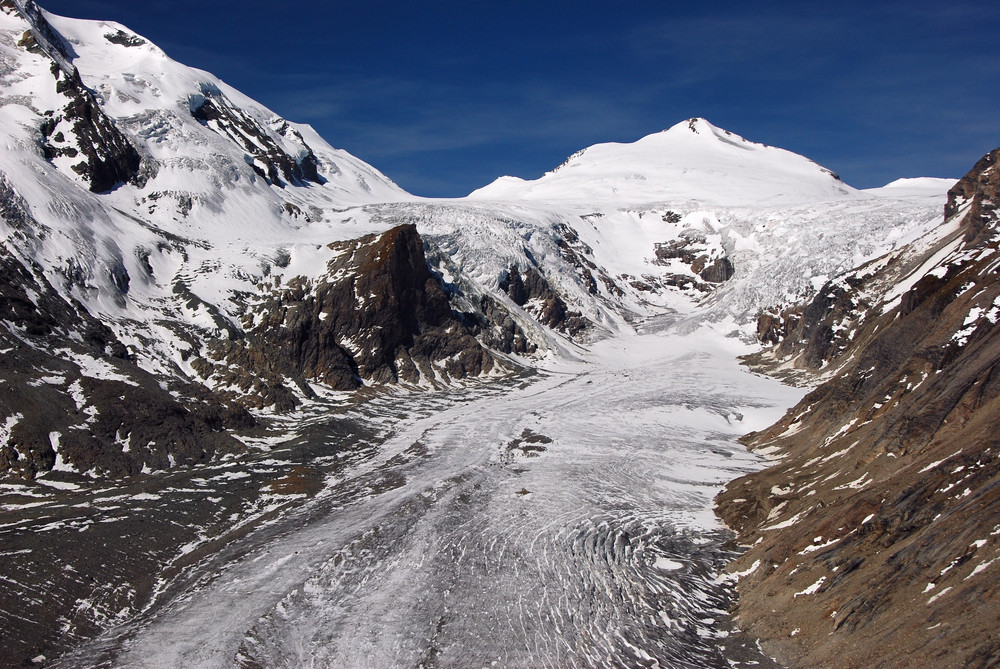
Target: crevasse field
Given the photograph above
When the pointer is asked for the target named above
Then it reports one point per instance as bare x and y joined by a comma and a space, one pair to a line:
562, 521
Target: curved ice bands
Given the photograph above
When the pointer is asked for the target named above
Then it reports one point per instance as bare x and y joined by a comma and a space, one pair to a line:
565, 522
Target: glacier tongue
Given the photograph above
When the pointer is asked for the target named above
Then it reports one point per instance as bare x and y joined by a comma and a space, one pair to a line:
563, 522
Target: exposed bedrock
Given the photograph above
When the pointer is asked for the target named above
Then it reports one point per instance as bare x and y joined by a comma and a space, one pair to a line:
874, 539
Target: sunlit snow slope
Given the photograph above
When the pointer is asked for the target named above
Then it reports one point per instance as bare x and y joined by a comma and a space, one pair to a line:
693, 160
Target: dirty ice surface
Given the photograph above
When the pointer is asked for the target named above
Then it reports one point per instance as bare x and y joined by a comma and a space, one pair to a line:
561, 522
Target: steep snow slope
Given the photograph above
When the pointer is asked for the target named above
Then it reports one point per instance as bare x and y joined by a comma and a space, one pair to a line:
693, 160
219, 173
220, 190
157, 101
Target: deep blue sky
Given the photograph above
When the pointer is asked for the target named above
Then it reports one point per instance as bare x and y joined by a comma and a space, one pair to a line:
445, 96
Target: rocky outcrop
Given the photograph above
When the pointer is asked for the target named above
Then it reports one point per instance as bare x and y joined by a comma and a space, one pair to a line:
78, 135
493, 325
122, 38
698, 264
534, 294
719, 270
875, 540
577, 254
376, 316
708, 262
107, 158
815, 334
264, 155
976, 191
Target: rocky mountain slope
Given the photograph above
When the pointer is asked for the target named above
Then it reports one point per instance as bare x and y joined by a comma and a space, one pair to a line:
151, 237
873, 538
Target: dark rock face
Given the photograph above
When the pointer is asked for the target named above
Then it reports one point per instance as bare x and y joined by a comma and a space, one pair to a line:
80, 129
819, 332
576, 252
497, 330
977, 190
874, 541
108, 157
52, 407
264, 155
694, 250
533, 293
718, 271
123, 38
379, 316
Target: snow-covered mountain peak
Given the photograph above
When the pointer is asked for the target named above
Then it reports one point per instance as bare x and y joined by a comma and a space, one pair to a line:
690, 161
135, 175
930, 190
931, 184
193, 134
698, 128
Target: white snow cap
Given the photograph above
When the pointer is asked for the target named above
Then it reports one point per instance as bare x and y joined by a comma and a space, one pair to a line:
152, 97
693, 160
930, 186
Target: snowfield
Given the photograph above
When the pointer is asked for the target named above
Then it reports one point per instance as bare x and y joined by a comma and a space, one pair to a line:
693, 161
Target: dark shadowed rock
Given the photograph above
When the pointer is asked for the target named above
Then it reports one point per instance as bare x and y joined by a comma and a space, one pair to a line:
497, 329
108, 158
54, 405
719, 270
977, 191
692, 249
264, 155
377, 316
532, 292
123, 38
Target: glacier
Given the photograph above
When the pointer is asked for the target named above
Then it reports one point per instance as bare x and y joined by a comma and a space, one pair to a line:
555, 513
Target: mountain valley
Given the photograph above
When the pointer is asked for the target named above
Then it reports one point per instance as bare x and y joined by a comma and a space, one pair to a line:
691, 401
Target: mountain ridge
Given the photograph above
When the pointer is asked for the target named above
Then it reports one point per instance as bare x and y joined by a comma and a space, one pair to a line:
884, 494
